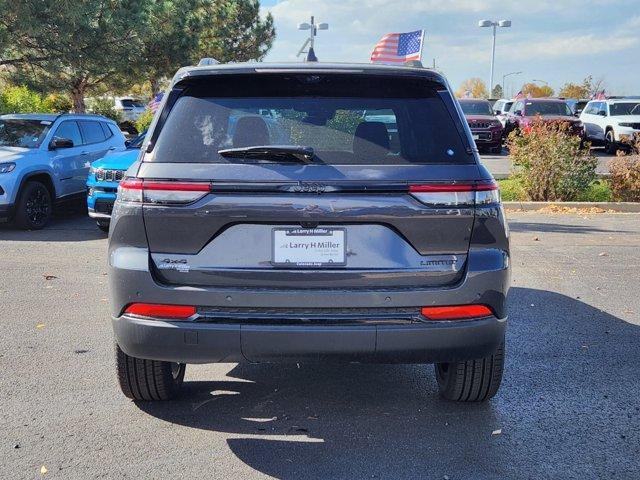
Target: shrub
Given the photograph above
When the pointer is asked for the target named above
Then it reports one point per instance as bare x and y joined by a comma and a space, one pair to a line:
511, 189
144, 121
57, 103
104, 106
21, 100
554, 166
625, 178
598, 191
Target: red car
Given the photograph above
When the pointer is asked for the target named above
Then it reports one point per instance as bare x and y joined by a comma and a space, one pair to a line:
485, 126
526, 110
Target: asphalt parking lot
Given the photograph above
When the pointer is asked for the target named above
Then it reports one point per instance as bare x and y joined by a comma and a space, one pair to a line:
569, 406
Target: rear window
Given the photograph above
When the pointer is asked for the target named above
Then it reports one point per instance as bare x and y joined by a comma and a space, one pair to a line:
547, 108
131, 103
390, 123
479, 107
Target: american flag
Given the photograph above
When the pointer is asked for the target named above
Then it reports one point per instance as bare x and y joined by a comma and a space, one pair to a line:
398, 47
599, 96
155, 102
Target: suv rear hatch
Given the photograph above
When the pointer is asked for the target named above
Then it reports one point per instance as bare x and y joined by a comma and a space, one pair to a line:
308, 180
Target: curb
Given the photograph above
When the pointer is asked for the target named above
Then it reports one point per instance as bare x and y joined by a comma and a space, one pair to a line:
620, 207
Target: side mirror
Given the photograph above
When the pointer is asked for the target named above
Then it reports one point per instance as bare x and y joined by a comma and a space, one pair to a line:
518, 113
60, 142
602, 113
127, 143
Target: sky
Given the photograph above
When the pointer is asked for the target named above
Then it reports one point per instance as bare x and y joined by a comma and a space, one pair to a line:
556, 41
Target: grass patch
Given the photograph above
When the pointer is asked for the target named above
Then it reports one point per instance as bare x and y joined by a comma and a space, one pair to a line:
598, 191
511, 190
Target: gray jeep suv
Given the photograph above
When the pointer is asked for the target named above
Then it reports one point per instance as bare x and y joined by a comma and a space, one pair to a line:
323, 241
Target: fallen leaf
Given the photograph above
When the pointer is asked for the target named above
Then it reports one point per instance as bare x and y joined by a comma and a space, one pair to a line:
603, 254
497, 432
536, 239
49, 277
43, 470
40, 326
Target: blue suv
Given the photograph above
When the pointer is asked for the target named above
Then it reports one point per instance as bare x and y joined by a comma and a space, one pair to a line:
104, 176
45, 159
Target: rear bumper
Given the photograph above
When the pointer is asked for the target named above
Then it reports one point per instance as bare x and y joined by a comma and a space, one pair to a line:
100, 205
192, 342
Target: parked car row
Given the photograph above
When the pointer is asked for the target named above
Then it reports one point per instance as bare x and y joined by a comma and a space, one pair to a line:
50, 159
45, 160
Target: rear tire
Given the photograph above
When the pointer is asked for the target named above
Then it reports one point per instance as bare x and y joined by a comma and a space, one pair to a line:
34, 208
102, 225
496, 150
148, 380
610, 143
471, 380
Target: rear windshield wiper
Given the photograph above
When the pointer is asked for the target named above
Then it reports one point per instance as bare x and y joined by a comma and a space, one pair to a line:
273, 153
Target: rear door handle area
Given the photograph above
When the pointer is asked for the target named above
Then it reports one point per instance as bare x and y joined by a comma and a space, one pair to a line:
84, 153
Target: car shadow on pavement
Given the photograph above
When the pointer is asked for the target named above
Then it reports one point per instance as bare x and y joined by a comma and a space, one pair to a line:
569, 388
547, 227
69, 224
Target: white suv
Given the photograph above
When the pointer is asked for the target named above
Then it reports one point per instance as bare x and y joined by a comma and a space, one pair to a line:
500, 109
130, 107
611, 121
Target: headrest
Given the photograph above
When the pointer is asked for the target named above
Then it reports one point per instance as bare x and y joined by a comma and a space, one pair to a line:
249, 132
371, 140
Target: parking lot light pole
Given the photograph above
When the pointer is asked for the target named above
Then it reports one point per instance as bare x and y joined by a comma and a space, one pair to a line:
313, 31
504, 92
491, 23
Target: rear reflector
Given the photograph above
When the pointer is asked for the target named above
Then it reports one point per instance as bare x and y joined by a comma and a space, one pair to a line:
161, 311
158, 192
456, 312
452, 194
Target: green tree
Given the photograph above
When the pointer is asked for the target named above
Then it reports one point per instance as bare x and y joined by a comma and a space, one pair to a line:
171, 39
72, 46
233, 31
21, 100
497, 91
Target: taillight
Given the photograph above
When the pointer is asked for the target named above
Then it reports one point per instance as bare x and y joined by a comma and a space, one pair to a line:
453, 194
158, 192
160, 310
456, 312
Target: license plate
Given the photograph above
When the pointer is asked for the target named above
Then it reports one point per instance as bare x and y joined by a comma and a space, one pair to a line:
309, 247
476, 137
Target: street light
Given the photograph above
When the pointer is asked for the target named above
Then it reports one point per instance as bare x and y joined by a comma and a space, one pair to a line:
541, 81
313, 31
505, 76
491, 23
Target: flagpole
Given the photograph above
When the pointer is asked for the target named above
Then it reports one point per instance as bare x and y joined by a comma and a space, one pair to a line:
421, 44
